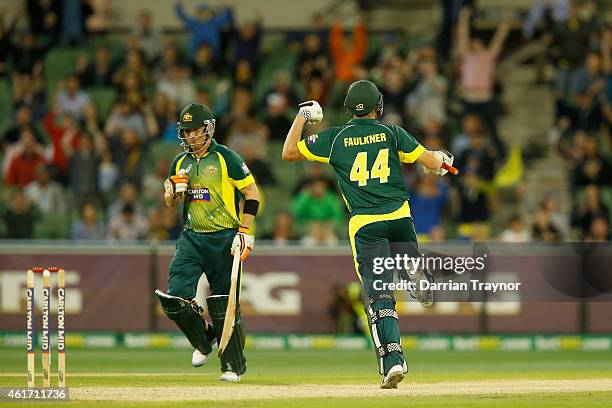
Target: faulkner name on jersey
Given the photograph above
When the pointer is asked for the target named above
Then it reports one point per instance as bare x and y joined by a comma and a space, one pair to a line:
364, 140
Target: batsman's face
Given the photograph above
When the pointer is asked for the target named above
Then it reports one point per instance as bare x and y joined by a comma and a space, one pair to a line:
197, 139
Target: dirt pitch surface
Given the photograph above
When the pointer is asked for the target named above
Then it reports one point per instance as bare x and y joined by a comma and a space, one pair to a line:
254, 392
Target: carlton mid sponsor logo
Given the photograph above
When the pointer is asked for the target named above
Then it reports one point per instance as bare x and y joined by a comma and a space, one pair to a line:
199, 194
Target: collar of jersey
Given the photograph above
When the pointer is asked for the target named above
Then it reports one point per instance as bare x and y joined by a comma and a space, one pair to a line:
211, 148
362, 120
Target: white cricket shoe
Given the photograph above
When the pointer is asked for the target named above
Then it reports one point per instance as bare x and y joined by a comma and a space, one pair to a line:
230, 376
198, 359
393, 377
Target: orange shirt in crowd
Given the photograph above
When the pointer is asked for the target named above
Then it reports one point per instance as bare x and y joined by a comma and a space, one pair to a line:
346, 60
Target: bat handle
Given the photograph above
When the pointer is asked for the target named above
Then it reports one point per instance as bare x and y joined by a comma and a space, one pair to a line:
450, 169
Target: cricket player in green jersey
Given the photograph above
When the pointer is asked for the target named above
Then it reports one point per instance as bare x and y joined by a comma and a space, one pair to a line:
366, 156
210, 180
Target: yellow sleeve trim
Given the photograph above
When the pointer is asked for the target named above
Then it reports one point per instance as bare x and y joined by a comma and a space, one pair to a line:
412, 156
178, 164
247, 181
308, 155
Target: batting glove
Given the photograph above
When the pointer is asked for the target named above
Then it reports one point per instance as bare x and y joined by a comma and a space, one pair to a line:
311, 111
177, 184
243, 243
446, 157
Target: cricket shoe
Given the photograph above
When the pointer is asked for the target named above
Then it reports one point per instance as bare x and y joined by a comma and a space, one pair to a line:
393, 377
198, 359
229, 376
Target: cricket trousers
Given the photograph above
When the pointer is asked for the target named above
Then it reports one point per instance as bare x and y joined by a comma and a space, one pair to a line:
374, 236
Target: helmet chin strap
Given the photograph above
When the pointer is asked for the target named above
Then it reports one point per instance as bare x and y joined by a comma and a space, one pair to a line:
204, 146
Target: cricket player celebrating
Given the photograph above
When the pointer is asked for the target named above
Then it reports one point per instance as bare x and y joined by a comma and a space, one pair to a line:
210, 179
366, 156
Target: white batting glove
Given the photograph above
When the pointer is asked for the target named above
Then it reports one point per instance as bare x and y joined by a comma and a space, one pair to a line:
445, 157
311, 111
177, 184
243, 243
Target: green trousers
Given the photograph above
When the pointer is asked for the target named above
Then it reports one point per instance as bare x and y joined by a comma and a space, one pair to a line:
201, 252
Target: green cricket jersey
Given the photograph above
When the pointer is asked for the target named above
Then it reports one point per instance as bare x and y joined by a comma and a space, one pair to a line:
212, 197
367, 157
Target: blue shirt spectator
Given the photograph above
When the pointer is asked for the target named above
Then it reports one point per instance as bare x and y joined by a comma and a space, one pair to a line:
427, 203
204, 28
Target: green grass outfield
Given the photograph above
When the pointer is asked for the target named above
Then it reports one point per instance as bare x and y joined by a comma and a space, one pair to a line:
356, 371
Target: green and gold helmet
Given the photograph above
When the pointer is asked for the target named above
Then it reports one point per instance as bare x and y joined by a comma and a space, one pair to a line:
362, 98
195, 116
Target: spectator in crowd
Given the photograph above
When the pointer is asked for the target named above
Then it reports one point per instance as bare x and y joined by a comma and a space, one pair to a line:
543, 229
571, 40
30, 90
45, 18
516, 231
591, 168
164, 111
20, 218
135, 68
21, 169
599, 231
203, 65
205, 27
128, 195
314, 171
283, 86
474, 212
149, 37
163, 225
177, 84
46, 194
346, 57
83, 174
427, 203
150, 184
27, 57
127, 225
249, 138
132, 113
394, 90
479, 154
248, 40
319, 211
108, 172
99, 71
542, 12
313, 58
64, 132
88, 227
23, 121
72, 99
590, 207
478, 64
127, 151
561, 220
282, 232
428, 100
243, 74
276, 116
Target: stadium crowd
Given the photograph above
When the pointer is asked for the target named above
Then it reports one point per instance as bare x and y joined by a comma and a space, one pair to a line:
88, 127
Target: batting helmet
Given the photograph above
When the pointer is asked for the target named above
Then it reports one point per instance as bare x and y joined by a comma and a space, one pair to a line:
362, 98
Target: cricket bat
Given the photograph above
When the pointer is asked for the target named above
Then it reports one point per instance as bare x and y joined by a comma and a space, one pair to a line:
230, 311
450, 169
